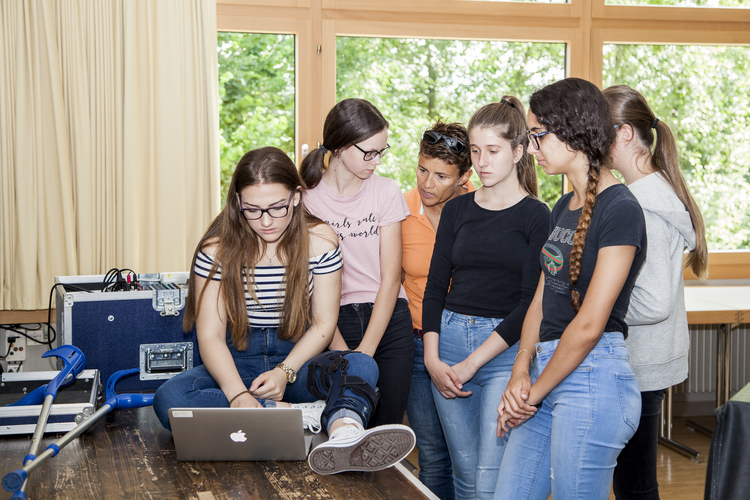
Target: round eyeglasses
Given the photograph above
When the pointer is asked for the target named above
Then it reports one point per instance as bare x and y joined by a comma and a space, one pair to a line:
370, 155
276, 212
534, 138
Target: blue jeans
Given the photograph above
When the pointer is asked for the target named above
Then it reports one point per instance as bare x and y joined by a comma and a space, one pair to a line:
470, 424
569, 448
196, 388
394, 356
435, 469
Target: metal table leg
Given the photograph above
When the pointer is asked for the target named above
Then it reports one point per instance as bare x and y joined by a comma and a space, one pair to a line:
723, 376
665, 431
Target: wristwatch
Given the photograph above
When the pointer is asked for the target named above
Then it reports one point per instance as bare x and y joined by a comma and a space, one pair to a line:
291, 375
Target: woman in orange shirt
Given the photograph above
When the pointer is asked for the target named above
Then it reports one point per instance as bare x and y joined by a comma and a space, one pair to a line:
443, 171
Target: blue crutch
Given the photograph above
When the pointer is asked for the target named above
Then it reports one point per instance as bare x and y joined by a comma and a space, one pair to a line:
16, 481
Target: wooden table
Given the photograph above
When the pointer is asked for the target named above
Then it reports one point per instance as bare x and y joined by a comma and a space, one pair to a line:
129, 455
726, 306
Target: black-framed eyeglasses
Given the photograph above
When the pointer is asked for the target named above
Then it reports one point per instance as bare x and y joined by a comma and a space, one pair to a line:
276, 212
453, 144
534, 138
370, 155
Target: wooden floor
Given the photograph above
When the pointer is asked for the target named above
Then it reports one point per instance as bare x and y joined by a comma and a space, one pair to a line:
129, 455
680, 478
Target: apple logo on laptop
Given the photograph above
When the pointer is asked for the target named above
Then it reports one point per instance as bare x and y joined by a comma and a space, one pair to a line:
238, 437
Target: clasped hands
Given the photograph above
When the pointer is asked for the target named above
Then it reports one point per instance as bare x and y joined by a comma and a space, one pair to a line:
450, 380
515, 407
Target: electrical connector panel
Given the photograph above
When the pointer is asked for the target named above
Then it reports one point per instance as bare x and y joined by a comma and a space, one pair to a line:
15, 345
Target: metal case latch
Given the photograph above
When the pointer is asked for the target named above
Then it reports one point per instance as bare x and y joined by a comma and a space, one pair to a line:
162, 361
168, 302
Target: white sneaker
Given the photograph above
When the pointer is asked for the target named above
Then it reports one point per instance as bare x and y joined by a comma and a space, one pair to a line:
311, 413
352, 449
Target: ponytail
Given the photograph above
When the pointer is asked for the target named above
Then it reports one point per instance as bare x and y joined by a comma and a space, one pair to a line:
629, 106
507, 119
312, 167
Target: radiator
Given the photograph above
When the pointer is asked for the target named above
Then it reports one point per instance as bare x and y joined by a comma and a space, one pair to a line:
702, 373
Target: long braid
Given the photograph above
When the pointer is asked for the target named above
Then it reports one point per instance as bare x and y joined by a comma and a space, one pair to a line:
579, 241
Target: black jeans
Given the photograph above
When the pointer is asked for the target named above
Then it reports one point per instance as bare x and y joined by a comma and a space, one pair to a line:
635, 474
394, 356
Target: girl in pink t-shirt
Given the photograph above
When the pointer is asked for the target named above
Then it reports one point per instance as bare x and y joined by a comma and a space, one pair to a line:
366, 211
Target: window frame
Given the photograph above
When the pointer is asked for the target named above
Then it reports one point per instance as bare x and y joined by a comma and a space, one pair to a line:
585, 26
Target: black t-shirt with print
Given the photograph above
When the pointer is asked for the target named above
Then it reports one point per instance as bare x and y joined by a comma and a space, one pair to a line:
617, 219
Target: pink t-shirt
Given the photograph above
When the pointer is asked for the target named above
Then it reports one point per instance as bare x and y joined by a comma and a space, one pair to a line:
357, 220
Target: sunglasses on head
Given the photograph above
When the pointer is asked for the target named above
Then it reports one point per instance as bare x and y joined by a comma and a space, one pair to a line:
453, 144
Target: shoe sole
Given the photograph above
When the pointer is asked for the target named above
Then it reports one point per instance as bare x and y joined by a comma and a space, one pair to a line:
378, 449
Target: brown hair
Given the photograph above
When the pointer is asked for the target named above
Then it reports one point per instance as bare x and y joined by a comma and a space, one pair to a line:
350, 121
630, 107
440, 151
577, 113
239, 249
507, 119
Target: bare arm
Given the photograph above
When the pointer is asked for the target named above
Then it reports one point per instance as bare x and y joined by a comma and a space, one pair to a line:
583, 333
390, 283
211, 328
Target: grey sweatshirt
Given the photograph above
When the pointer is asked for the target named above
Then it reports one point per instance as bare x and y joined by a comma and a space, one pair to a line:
658, 338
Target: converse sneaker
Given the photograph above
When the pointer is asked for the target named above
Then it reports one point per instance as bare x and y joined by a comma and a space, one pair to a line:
311, 413
350, 448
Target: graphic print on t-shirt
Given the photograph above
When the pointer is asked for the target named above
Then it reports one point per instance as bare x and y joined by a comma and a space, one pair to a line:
553, 259
355, 228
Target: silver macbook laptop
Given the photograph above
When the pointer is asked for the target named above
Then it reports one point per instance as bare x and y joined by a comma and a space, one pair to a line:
239, 434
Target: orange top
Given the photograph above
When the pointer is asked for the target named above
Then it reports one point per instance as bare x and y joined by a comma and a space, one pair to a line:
418, 239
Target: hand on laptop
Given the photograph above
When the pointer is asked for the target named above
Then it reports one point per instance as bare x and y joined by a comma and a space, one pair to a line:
269, 385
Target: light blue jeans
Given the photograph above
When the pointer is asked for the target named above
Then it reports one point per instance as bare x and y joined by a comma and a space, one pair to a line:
470, 424
569, 448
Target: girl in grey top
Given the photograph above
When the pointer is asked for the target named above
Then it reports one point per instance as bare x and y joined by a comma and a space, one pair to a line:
658, 339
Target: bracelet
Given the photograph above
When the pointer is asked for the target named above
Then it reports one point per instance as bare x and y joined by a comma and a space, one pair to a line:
238, 395
527, 352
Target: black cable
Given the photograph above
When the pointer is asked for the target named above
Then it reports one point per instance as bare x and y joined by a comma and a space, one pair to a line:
12, 328
50, 328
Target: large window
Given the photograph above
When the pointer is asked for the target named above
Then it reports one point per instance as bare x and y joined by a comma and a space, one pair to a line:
416, 81
703, 94
256, 88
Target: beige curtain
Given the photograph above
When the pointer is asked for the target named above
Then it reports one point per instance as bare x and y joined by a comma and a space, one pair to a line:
108, 138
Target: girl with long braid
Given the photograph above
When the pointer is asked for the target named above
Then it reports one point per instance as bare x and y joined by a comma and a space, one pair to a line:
572, 396
658, 342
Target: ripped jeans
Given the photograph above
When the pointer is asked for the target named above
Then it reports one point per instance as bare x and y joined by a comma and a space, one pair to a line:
569, 448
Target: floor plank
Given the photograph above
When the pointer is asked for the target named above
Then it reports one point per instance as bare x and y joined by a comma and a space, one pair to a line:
680, 478
128, 454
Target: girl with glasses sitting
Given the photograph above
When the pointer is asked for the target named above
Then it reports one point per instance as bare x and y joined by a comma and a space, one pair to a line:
366, 211
482, 277
263, 297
